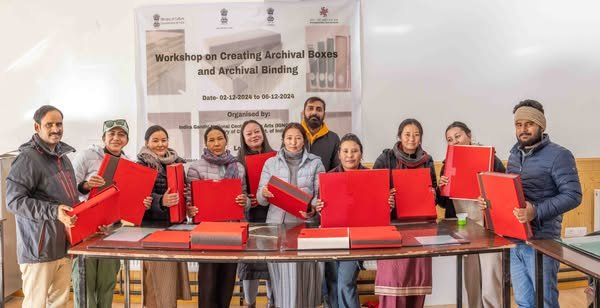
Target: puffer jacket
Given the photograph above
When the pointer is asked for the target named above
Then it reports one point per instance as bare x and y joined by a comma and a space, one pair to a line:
38, 182
308, 181
87, 162
550, 182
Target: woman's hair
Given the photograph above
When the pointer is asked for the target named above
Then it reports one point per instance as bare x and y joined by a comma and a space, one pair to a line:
351, 137
291, 125
244, 149
153, 129
214, 127
461, 125
407, 122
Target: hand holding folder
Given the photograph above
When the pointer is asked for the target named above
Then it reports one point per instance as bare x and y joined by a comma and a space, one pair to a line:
216, 200
176, 184
463, 163
288, 197
415, 198
97, 211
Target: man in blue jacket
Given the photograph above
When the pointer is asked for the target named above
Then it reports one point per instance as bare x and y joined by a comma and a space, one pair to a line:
40, 190
551, 187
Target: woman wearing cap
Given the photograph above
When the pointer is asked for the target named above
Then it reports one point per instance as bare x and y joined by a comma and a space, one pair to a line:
341, 276
100, 273
294, 284
482, 273
253, 140
404, 282
164, 282
216, 280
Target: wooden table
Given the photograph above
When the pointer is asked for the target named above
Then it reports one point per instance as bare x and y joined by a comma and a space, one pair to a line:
479, 241
566, 255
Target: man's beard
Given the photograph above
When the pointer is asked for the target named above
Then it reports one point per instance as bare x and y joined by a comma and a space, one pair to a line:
531, 141
313, 122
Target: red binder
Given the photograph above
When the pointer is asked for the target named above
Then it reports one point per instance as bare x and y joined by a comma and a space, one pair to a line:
355, 198
414, 194
323, 238
135, 182
288, 197
176, 184
375, 237
220, 236
254, 166
167, 239
215, 200
463, 163
97, 211
503, 192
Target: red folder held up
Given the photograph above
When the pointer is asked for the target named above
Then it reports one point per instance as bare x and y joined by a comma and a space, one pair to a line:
415, 197
463, 163
97, 211
288, 197
503, 192
134, 181
375, 237
176, 184
220, 236
355, 198
254, 166
169, 239
215, 200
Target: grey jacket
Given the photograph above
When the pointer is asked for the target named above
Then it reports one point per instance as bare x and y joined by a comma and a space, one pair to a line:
86, 163
40, 180
308, 181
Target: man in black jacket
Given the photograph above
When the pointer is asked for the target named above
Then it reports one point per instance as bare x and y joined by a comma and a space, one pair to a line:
40, 190
320, 140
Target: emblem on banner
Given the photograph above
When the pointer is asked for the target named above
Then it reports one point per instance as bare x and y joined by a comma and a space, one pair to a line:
224, 19
324, 11
270, 18
156, 18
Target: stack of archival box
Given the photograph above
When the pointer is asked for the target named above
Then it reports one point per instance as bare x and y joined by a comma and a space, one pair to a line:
219, 236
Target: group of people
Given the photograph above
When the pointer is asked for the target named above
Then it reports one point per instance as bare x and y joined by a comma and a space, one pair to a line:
43, 185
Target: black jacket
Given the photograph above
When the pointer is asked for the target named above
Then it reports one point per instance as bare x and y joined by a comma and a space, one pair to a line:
326, 147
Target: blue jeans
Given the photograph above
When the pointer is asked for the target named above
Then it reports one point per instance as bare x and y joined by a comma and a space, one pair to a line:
522, 274
341, 283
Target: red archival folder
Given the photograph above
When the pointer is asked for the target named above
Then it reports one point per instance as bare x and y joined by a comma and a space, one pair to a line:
135, 182
167, 239
503, 192
288, 197
463, 163
355, 198
323, 238
176, 184
375, 237
215, 200
414, 194
97, 211
220, 236
254, 166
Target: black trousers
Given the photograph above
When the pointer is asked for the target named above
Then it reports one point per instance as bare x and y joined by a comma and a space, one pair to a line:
215, 284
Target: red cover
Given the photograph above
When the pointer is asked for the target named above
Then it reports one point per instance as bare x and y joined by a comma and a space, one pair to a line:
503, 192
167, 239
323, 232
135, 182
176, 184
254, 166
375, 237
97, 211
463, 163
220, 236
288, 197
355, 198
215, 200
415, 197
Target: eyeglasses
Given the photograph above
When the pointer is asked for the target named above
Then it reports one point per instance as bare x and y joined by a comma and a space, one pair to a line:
112, 123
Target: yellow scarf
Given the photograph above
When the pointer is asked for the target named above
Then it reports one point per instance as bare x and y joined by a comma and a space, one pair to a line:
320, 133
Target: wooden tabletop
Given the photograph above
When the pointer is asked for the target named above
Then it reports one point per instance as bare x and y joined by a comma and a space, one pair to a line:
569, 256
479, 241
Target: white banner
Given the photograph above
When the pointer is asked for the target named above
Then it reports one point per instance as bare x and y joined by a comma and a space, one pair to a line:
225, 63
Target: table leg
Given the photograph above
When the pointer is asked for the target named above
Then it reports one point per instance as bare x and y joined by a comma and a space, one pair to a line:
127, 303
539, 279
459, 279
596, 293
506, 278
198, 285
81, 294
1, 264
